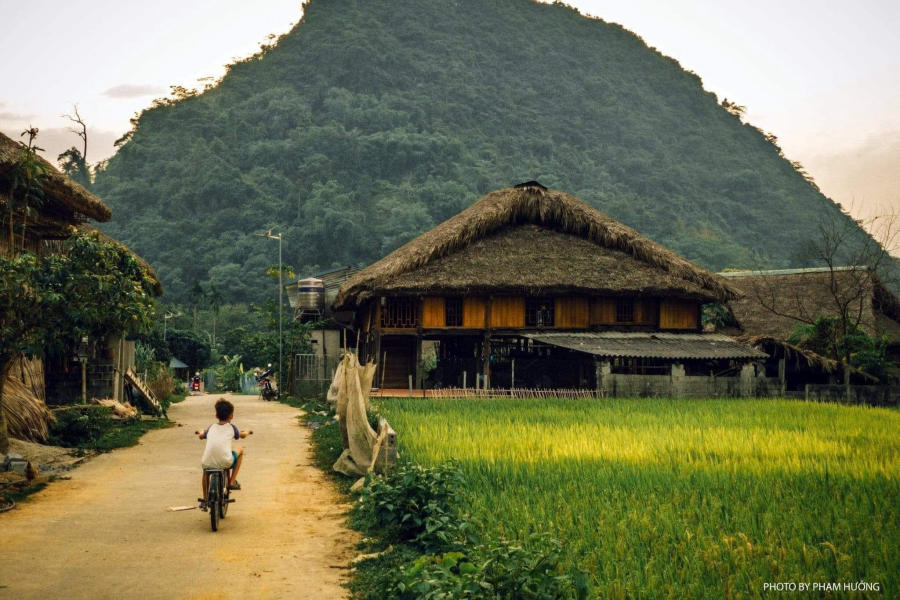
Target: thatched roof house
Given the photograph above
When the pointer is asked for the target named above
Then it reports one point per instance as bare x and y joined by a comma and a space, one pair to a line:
772, 303
535, 241
65, 202
536, 277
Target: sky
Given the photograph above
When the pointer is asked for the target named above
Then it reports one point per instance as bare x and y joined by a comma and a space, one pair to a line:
823, 76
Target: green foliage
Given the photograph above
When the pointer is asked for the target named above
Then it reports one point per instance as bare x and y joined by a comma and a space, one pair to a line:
228, 373
144, 357
51, 302
373, 121
414, 505
496, 570
74, 165
829, 338
122, 435
80, 426
189, 347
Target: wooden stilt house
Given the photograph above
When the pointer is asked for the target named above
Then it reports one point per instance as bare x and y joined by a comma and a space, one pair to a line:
531, 287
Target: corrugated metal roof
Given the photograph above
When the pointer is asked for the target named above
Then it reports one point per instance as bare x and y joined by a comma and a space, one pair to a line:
650, 345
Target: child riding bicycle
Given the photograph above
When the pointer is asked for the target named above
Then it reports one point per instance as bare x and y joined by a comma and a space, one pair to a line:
219, 453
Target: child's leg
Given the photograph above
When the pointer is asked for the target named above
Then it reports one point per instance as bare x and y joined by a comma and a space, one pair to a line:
205, 484
237, 464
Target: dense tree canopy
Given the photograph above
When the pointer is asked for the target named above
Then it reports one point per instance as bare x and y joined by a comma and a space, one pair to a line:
373, 121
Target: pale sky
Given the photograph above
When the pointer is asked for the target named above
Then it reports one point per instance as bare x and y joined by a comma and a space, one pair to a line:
823, 76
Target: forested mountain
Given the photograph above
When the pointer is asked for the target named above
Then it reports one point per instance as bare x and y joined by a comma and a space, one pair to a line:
374, 120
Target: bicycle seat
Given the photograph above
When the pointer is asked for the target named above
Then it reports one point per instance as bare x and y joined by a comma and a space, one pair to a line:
214, 470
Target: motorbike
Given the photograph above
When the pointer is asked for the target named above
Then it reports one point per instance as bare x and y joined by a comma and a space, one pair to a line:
195, 384
266, 391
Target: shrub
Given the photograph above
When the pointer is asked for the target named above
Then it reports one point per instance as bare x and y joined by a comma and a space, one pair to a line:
415, 505
79, 426
494, 570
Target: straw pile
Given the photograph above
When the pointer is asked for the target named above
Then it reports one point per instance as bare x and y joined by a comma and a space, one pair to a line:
27, 416
120, 410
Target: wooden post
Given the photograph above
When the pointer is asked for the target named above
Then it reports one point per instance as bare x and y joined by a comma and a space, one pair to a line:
782, 375
418, 360
84, 379
486, 347
512, 374
464, 380
379, 373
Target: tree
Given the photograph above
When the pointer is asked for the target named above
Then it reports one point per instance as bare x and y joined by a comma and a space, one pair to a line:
73, 161
93, 290
214, 298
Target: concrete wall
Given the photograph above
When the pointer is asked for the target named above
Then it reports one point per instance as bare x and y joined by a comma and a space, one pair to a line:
678, 385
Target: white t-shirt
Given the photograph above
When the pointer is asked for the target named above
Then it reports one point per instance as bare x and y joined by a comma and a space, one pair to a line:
217, 454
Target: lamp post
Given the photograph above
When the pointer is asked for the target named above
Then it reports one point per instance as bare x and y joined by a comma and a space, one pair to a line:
166, 318
269, 235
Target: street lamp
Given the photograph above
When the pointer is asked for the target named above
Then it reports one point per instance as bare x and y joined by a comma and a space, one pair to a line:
166, 318
269, 235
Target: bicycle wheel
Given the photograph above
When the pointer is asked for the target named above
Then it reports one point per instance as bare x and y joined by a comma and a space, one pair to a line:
212, 494
223, 505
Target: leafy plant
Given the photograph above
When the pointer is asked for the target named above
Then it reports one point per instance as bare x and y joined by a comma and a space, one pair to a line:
415, 505
79, 426
228, 373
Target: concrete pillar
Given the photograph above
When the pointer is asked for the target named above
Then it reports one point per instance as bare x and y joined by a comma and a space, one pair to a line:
604, 376
748, 372
678, 380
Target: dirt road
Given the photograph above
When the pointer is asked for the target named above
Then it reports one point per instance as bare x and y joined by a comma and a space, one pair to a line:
106, 533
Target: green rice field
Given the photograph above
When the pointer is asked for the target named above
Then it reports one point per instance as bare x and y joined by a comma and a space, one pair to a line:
680, 498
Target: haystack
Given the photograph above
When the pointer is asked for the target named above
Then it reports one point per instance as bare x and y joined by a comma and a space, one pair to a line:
27, 416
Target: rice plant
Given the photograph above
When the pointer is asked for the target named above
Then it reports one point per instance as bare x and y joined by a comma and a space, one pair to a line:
678, 498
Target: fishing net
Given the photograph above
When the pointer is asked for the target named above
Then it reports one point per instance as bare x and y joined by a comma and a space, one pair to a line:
362, 444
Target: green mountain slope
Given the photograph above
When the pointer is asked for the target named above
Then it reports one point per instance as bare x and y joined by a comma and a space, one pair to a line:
374, 120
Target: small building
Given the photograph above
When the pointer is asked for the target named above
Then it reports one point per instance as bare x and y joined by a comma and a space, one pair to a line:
533, 288
773, 303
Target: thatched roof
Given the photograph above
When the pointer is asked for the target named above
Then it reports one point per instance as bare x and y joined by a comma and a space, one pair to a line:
532, 240
780, 348
772, 301
64, 199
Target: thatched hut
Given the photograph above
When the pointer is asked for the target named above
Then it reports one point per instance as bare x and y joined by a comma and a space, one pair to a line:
495, 294
773, 303
64, 205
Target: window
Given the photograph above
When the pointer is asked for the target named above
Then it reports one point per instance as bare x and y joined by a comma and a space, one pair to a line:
453, 312
625, 311
539, 312
399, 312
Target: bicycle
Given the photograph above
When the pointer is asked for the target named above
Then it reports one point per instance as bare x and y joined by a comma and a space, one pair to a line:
217, 494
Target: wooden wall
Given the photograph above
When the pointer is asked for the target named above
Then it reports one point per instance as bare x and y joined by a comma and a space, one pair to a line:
602, 311
678, 314
433, 312
572, 313
507, 312
474, 310
576, 312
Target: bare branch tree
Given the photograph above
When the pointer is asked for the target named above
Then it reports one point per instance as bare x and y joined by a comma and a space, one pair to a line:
79, 128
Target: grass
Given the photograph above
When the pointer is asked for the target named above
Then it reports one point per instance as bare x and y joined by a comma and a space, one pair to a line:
122, 435
678, 498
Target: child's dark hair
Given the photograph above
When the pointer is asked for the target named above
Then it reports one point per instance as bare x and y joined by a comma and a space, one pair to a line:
224, 409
